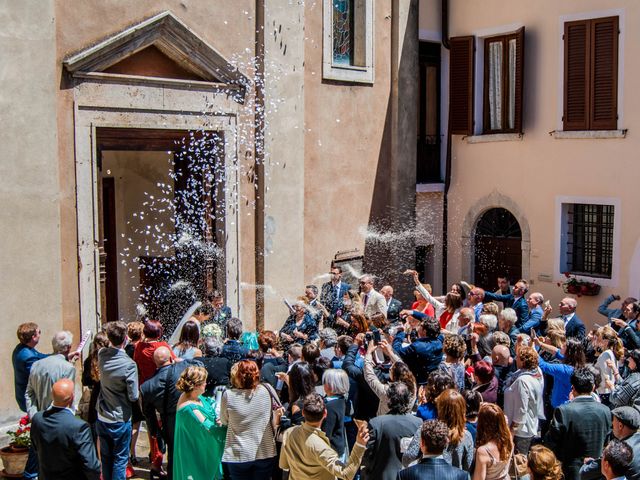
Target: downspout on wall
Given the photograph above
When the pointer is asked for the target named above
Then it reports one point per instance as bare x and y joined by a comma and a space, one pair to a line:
447, 173
259, 162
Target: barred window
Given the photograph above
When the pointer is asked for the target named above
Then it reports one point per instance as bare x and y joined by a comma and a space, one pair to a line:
590, 239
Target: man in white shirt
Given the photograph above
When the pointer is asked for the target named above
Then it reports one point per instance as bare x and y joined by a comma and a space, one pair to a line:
393, 305
573, 325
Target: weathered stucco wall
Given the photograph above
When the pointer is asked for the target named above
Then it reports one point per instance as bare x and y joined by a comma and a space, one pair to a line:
344, 127
30, 285
285, 151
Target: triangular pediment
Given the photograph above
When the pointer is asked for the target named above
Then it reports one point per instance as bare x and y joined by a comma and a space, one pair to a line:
164, 33
151, 62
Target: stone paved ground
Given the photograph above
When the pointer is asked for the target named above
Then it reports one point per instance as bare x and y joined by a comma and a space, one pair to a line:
142, 453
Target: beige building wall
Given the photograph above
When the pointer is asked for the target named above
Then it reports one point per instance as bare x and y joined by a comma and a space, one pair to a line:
342, 149
30, 244
529, 176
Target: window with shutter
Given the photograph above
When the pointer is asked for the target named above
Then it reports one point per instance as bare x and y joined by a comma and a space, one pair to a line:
503, 83
461, 78
591, 74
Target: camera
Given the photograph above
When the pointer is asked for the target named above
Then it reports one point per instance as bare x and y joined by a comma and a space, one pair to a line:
413, 335
373, 335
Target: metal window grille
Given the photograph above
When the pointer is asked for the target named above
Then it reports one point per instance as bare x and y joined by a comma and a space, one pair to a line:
590, 239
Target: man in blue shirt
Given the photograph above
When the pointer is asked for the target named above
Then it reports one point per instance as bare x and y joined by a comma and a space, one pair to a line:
24, 356
424, 354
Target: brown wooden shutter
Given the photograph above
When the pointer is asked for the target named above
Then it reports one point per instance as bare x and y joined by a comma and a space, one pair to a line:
604, 74
576, 75
461, 80
519, 84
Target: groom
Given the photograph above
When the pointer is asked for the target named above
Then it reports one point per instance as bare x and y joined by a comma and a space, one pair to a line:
220, 313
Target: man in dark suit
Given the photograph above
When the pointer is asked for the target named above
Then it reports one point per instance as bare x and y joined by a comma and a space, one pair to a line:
332, 292
434, 439
383, 458
517, 300
573, 326
159, 394
63, 442
579, 428
393, 305
219, 312
626, 421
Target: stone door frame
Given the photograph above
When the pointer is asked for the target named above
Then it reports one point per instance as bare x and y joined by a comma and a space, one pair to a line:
101, 103
475, 213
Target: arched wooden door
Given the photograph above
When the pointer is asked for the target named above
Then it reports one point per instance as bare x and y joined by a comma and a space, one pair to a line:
498, 248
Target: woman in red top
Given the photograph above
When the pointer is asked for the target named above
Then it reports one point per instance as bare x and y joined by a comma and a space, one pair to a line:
143, 356
421, 303
143, 353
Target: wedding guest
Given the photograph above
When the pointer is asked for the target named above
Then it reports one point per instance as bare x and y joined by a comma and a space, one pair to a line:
63, 441
118, 388
494, 444
246, 408
198, 439
23, 357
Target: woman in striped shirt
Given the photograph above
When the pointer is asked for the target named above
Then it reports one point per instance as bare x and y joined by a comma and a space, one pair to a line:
250, 448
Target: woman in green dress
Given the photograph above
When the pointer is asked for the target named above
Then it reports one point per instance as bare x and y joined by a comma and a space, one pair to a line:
199, 439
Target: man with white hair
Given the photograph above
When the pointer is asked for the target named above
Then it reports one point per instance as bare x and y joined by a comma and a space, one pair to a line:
44, 373
573, 326
506, 322
393, 305
48, 371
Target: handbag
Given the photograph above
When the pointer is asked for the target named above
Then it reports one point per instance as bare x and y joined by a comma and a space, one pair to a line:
518, 466
83, 404
276, 406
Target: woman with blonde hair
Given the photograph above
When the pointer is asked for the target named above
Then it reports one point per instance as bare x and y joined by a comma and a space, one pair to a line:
555, 324
420, 304
198, 438
495, 446
543, 464
606, 341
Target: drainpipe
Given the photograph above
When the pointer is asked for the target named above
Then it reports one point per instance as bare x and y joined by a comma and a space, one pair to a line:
259, 162
447, 168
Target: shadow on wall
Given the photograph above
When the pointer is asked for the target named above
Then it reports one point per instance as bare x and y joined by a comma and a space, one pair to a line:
390, 237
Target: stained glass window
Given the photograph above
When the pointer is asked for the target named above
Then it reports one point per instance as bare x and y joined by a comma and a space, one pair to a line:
343, 42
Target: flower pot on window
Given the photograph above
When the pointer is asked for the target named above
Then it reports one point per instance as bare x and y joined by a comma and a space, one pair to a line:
14, 460
581, 288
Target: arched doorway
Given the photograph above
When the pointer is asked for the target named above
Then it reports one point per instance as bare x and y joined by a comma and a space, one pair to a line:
498, 248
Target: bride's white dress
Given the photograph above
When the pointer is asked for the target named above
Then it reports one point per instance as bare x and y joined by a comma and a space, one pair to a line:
175, 336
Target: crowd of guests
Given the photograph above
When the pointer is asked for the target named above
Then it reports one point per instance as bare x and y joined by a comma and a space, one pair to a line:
489, 385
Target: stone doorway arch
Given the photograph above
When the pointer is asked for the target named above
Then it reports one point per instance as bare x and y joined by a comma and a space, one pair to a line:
494, 200
497, 240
